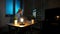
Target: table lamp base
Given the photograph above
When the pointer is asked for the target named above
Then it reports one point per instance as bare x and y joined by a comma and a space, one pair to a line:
22, 24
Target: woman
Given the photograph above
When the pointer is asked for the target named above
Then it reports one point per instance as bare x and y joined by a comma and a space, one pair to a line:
19, 14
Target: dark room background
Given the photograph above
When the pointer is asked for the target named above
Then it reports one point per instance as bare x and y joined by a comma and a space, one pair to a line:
29, 5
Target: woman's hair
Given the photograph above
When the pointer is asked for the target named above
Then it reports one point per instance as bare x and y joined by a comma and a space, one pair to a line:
19, 10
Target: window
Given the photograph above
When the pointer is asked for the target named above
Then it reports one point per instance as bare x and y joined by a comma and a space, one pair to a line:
9, 6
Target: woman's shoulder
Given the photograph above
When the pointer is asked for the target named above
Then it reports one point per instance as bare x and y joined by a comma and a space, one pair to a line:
17, 14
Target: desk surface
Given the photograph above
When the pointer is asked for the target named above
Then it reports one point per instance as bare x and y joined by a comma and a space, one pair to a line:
18, 24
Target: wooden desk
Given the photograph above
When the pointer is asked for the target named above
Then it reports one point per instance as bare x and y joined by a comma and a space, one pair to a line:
18, 24
17, 28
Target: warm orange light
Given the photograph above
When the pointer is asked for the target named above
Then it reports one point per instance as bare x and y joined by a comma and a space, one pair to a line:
57, 17
21, 20
22, 26
32, 21
15, 22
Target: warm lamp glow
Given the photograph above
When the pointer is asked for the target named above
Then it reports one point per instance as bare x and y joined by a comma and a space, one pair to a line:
15, 21
32, 21
21, 20
21, 26
57, 17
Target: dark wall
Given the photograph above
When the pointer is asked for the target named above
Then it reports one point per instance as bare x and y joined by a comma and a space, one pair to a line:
28, 6
42, 5
50, 14
3, 19
53, 3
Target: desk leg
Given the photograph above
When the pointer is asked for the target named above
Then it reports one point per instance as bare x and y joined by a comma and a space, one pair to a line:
20, 31
12, 30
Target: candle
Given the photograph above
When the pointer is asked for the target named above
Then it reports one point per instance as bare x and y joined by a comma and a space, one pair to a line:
32, 21
15, 22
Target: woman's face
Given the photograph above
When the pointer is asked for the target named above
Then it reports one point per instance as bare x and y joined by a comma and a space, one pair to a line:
20, 12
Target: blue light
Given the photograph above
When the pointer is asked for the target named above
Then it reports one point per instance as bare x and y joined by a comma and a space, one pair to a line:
9, 7
17, 6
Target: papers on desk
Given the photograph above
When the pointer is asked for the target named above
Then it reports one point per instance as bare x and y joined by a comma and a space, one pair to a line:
21, 26
27, 23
